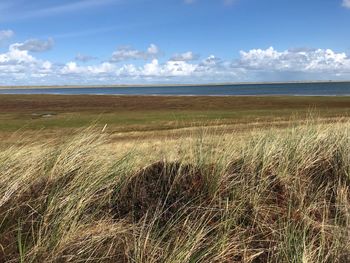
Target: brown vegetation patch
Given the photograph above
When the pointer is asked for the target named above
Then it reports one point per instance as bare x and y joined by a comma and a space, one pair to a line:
110, 103
164, 186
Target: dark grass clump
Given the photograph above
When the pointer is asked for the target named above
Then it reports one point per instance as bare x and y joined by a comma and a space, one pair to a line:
162, 185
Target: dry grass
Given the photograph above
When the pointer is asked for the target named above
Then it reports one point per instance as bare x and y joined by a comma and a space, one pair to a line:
281, 195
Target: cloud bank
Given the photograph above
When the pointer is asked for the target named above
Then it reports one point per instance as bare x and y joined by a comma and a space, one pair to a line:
18, 66
295, 60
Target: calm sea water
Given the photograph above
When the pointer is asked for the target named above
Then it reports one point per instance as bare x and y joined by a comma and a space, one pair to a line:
292, 89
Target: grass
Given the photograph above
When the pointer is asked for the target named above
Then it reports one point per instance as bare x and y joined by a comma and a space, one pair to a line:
155, 113
278, 195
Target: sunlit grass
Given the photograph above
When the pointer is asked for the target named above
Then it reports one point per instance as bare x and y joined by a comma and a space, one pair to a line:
276, 195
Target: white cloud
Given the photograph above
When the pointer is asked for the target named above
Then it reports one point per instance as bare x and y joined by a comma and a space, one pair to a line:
168, 69
74, 68
36, 45
187, 56
297, 60
153, 50
15, 56
153, 68
20, 67
6, 35
179, 68
346, 3
255, 64
129, 53
128, 70
211, 61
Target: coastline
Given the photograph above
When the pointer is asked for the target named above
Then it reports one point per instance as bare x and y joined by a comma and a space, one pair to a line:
178, 95
2, 87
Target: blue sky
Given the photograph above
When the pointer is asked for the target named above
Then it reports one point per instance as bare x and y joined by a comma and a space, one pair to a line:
173, 41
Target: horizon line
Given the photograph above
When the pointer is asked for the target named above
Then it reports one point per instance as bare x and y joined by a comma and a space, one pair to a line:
173, 84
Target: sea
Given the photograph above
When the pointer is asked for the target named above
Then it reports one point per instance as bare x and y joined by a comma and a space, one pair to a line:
272, 89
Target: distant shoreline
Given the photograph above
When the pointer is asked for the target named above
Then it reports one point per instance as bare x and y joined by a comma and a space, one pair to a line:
166, 85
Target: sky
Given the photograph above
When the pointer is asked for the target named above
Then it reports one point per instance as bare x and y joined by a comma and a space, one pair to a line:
62, 42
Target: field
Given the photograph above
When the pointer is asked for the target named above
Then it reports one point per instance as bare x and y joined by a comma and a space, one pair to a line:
127, 114
174, 179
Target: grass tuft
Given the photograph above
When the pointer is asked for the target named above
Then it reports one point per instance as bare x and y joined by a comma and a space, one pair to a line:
280, 195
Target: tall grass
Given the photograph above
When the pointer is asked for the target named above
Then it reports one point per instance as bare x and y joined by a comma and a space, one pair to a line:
277, 196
